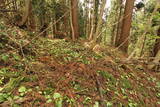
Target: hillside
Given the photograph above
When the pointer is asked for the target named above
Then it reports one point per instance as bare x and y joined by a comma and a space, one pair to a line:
42, 72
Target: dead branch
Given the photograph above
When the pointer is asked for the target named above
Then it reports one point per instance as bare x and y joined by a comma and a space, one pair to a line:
6, 10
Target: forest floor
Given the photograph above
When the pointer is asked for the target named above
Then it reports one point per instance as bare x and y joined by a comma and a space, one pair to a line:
43, 72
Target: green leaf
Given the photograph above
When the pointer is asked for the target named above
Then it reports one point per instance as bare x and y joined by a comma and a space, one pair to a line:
132, 105
96, 104
16, 57
59, 103
16, 105
47, 96
22, 89
58, 98
158, 95
57, 95
49, 101
2, 99
158, 84
5, 57
126, 84
109, 104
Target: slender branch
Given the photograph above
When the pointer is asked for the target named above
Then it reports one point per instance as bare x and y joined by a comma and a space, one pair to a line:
5, 10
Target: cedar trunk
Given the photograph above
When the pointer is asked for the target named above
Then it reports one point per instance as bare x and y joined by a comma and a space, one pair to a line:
157, 44
100, 21
126, 25
74, 18
26, 12
119, 24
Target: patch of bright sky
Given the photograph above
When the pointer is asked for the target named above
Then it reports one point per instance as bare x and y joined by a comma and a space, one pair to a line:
109, 2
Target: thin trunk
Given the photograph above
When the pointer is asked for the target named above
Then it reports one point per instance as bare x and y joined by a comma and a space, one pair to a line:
119, 25
96, 14
2, 4
32, 23
74, 16
143, 45
92, 29
115, 9
72, 29
88, 21
94, 19
43, 19
100, 21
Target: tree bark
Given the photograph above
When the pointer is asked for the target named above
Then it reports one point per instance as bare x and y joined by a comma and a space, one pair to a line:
119, 24
32, 22
126, 26
74, 18
2, 4
26, 12
96, 14
157, 44
100, 21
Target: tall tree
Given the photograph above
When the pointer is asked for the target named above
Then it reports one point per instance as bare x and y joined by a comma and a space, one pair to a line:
89, 20
42, 17
119, 24
156, 53
31, 19
157, 44
100, 20
94, 18
126, 26
74, 19
2, 4
96, 6
116, 15
26, 12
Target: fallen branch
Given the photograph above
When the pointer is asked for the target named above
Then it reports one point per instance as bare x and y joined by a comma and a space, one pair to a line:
5, 10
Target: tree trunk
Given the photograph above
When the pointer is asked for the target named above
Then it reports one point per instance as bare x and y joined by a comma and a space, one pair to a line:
31, 21
26, 12
89, 20
43, 19
157, 44
74, 18
125, 32
119, 24
100, 21
115, 9
155, 62
96, 14
2, 4
94, 19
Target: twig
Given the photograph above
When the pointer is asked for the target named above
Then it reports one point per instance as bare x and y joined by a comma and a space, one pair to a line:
5, 10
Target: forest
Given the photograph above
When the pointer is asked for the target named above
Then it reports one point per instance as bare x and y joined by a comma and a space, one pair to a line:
79, 53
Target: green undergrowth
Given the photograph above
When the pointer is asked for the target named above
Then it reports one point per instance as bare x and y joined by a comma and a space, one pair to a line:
65, 51
33, 70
